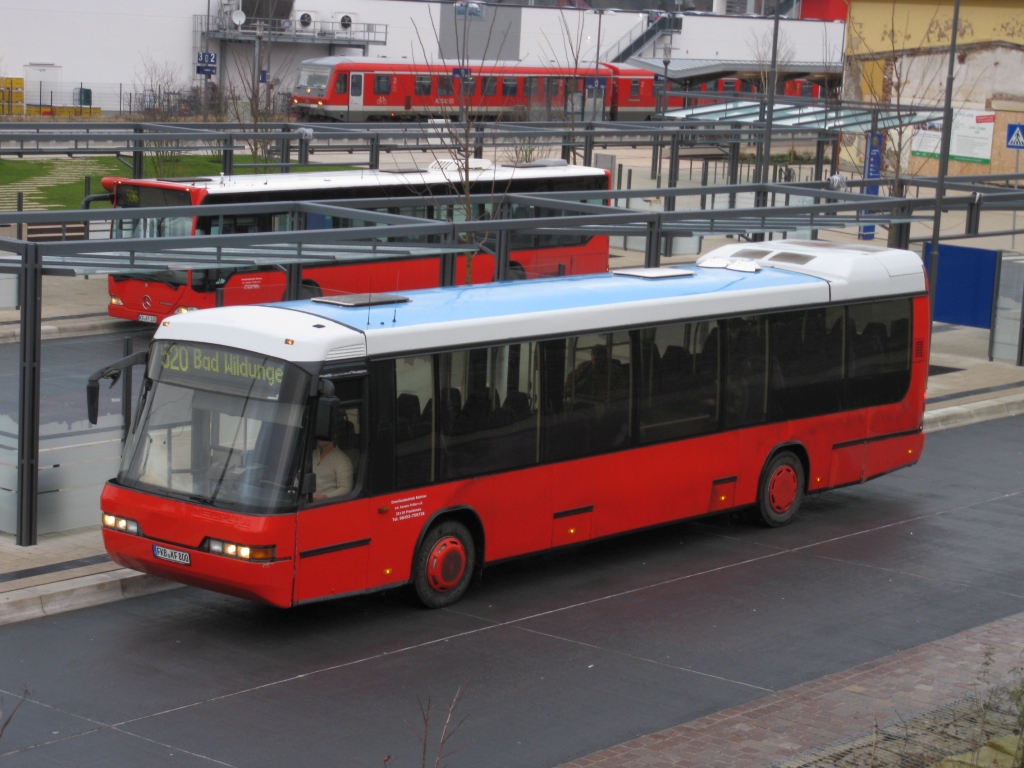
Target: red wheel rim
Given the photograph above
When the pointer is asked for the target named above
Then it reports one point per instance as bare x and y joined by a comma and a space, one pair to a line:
446, 564
782, 489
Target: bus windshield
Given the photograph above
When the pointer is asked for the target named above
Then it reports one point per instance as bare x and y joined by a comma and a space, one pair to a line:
131, 196
218, 426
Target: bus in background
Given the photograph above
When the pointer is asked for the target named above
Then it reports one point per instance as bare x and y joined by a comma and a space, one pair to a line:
305, 450
153, 296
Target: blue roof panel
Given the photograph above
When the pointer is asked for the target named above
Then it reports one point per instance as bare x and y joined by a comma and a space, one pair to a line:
490, 300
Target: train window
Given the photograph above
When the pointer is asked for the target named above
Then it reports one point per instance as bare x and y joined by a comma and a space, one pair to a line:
509, 86
728, 86
530, 86
807, 88
551, 87
445, 86
341, 84
357, 85
634, 89
468, 86
382, 84
422, 85
489, 86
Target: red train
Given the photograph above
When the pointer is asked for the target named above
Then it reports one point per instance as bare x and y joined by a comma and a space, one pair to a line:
356, 90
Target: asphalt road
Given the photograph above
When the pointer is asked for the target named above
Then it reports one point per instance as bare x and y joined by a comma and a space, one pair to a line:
561, 655
66, 366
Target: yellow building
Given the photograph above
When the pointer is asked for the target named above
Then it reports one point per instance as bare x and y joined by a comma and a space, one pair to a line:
897, 52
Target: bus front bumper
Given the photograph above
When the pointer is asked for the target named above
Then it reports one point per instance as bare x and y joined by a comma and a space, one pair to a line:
267, 582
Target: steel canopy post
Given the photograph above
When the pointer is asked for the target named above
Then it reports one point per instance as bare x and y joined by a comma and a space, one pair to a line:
940, 181
30, 294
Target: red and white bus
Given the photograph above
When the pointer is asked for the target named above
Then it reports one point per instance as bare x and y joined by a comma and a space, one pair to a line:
301, 451
359, 90
152, 296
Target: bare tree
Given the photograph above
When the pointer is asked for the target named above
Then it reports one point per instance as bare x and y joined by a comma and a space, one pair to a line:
456, 142
761, 47
6, 721
160, 94
449, 727
899, 76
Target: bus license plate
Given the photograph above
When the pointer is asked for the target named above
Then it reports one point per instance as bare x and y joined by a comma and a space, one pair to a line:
172, 554
147, 318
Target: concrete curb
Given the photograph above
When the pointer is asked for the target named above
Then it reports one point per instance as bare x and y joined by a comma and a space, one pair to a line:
60, 596
974, 413
85, 591
87, 327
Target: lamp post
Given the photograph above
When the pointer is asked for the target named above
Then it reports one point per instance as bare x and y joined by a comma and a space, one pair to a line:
598, 91
666, 59
463, 95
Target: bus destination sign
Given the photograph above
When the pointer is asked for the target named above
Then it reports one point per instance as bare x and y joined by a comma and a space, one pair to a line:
219, 369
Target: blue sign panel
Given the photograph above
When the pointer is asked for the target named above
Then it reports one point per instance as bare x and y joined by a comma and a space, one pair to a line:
206, 70
872, 170
1015, 136
206, 58
462, 72
965, 286
590, 83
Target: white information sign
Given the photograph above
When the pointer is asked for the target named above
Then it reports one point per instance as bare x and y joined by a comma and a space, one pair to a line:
970, 140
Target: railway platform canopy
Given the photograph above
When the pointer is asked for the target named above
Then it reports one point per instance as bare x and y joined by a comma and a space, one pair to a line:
808, 114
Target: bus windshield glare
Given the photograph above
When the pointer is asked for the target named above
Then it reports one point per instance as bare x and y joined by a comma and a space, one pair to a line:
218, 426
131, 196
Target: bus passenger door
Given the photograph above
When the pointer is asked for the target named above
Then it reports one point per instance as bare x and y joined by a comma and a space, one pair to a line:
333, 531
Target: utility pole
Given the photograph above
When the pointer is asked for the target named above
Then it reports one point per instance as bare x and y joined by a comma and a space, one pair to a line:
940, 181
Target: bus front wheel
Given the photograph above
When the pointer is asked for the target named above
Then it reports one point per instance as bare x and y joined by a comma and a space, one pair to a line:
444, 564
781, 490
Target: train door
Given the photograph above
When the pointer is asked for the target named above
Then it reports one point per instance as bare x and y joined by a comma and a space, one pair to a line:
355, 97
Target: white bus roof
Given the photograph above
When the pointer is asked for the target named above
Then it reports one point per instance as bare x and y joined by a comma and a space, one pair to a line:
292, 182
728, 281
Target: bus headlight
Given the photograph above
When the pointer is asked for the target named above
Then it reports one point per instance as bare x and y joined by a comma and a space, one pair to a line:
115, 301
122, 524
183, 310
239, 551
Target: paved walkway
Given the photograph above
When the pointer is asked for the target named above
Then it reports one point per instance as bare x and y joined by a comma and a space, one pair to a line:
846, 704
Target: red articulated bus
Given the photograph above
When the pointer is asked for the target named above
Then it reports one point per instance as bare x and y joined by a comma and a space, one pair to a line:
153, 296
360, 90
296, 452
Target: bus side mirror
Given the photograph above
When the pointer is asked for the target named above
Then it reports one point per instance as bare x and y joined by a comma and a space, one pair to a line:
92, 398
326, 416
308, 484
112, 372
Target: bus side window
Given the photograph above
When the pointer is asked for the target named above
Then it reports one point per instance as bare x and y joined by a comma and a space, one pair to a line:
589, 411
679, 384
357, 85
806, 368
487, 410
877, 352
746, 363
414, 421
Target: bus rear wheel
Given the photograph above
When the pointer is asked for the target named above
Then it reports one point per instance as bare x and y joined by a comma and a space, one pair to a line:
781, 491
444, 565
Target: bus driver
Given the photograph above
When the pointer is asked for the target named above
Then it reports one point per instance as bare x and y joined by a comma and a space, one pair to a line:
333, 469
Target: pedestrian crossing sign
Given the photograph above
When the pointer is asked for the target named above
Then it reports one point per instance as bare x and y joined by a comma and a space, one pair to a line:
1015, 136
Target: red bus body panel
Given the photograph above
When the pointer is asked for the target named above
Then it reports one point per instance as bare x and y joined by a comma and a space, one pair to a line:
369, 543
